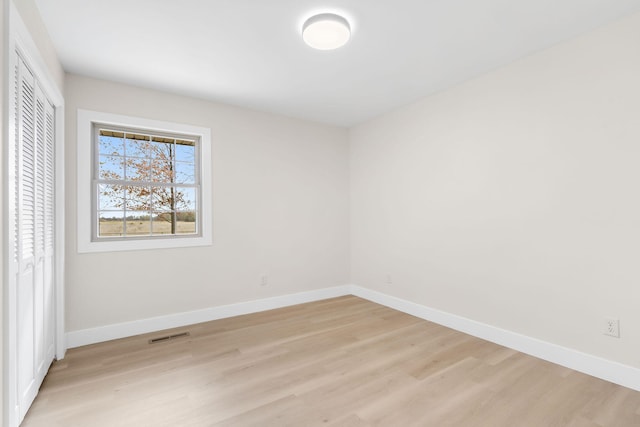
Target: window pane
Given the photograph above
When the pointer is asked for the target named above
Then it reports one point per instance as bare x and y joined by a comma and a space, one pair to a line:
138, 169
185, 151
185, 198
185, 173
161, 170
162, 199
110, 197
110, 145
161, 148
111, 167
162, 223
139, 225
110, 224
186, 222
137, 147
138, 198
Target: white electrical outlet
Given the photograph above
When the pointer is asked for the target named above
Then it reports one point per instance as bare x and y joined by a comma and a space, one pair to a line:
264, 280
389, 281
612, 327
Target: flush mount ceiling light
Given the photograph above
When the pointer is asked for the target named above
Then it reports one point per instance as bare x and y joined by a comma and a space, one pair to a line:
326, 31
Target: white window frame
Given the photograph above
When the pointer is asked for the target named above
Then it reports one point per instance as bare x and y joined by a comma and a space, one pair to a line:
87, 214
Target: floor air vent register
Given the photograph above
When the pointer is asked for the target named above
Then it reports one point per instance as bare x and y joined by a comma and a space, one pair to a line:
169, 337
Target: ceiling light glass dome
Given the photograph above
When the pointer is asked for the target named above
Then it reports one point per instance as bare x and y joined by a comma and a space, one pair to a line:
326, 31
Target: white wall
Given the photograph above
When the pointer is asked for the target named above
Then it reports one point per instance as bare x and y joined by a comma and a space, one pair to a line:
280, 196
513, 199
31, 16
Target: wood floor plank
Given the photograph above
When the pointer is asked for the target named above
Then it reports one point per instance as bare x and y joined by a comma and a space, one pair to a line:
339, 362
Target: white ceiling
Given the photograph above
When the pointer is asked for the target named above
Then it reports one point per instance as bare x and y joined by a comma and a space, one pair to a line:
250, 52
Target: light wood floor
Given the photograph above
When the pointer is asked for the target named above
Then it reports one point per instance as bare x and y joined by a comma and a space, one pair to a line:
339, 362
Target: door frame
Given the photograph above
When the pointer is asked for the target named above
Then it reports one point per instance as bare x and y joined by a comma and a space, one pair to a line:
18, 38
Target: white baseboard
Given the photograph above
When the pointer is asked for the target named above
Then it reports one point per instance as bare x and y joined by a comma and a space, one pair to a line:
592, 365
137, 327
598, 367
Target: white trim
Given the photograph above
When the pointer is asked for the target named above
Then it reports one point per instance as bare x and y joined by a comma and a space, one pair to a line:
608, 370
137, 327
60, 346
9, 414
598, 367
85, 213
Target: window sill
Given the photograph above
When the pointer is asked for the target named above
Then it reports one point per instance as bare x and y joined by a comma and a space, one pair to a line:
142, 244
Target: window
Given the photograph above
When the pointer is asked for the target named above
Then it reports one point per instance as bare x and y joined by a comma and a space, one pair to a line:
147, 186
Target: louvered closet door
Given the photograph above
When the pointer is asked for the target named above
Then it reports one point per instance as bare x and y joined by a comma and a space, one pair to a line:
34, 234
